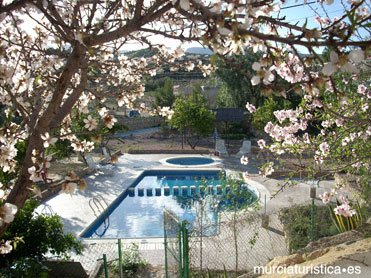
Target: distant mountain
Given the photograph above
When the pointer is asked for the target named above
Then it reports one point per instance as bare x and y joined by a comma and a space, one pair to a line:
145, 52
199, 50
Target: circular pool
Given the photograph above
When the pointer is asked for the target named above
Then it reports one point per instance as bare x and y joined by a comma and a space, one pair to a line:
190, 161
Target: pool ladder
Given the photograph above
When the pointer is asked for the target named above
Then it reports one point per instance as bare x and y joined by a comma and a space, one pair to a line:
99, 208
47, 209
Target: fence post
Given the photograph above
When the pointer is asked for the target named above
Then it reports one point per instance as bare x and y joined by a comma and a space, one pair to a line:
105, 266
185, 250
312, 195
120, 257
165, 246
180, 249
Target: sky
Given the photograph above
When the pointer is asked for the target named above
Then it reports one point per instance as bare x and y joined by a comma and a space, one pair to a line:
301, 13
293, 11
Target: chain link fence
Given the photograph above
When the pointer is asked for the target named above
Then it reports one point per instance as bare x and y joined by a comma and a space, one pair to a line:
92, 254
173, 243
239, 244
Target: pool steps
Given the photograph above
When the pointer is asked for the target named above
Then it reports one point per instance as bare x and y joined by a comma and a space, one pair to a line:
178, 191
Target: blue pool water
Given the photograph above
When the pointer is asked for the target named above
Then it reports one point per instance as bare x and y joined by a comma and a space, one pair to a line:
190, 161
138, 212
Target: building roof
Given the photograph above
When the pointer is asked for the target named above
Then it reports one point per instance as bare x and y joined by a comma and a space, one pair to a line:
229, 114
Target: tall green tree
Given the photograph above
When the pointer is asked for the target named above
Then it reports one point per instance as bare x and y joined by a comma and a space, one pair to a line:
164, 96
192, 118
236, 88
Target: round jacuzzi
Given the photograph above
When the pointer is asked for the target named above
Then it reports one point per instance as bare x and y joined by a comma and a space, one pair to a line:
190, 161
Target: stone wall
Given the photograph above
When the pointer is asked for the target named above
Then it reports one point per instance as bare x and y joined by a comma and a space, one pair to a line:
140, 123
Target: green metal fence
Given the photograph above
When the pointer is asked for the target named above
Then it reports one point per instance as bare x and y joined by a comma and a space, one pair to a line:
176, 246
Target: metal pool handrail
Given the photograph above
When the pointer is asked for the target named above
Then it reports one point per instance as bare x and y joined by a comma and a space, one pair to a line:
100, 208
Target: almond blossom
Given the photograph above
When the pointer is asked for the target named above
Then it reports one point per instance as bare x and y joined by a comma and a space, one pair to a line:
109, 120
35, 190
47, 140
244, 160
344, 210
261, 144
7, 213
325, 197
6, 247
345, 62
34, 174
266, 169
68, 188
250, 107
262, 73
90, 123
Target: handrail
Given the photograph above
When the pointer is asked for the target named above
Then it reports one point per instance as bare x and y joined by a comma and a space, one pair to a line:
97, 202
47, 209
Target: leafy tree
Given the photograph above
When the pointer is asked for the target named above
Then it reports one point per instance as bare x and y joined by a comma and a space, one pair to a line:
192, 118
264, 113
40, 234
164, 96
236, 87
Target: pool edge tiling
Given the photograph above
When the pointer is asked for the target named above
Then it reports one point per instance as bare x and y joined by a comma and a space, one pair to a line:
214, 161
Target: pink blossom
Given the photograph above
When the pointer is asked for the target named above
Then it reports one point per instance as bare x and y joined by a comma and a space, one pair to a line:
268, 127
339, 122
47, 140
362, 89
90, 123
365, 107
326, 124
250, 107
261, 144
333, 192
7, 213
325, 148
34, 175
317, 103
345, 141
267, 169
325, 197
344, 200
244, 160
6, 247
344, 210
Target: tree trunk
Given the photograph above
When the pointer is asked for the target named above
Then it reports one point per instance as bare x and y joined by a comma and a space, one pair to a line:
19, 193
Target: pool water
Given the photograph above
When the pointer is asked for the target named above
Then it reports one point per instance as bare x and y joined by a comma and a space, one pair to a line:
138, 212
190, 161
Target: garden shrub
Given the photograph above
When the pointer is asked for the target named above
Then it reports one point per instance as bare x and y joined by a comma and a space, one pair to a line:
40, 234
297, 224
234, 136
131, 261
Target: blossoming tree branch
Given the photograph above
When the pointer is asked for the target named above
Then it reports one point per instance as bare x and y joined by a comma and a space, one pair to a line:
58, 58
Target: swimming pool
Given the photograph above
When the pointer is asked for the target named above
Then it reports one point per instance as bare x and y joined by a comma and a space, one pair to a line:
190, 161
138, 211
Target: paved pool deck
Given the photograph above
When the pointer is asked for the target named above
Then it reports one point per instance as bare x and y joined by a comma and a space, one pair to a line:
76, 213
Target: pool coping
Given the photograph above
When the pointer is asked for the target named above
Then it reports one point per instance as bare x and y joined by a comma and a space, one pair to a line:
119, 198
